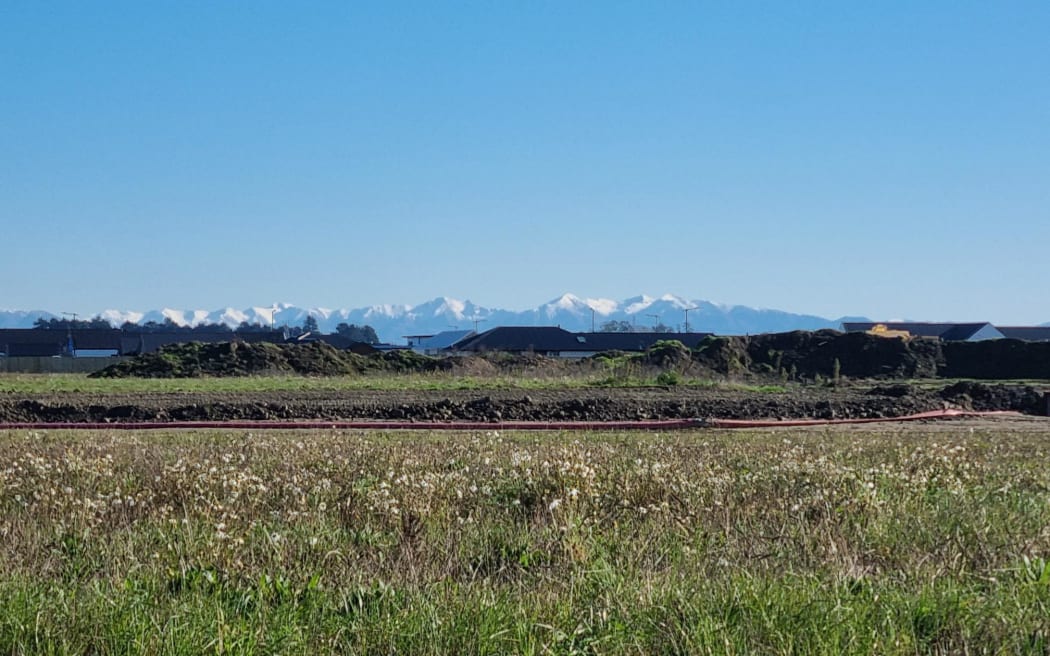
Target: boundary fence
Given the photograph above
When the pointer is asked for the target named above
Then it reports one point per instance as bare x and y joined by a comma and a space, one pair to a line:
55, 365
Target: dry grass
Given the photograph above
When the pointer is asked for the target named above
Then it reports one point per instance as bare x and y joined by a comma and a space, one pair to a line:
769, 542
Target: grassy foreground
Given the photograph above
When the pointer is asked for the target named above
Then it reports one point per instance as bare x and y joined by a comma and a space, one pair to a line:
701, 542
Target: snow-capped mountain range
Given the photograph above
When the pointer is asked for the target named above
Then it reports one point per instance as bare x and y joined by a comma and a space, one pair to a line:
571, 312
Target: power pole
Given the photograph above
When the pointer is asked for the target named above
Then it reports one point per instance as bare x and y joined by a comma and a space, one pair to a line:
69, 333
655, 318
687, 317
476, 321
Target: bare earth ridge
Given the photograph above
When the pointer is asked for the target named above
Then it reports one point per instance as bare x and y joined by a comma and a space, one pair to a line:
590, 404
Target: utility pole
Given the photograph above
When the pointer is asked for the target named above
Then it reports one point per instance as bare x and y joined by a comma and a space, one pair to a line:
687, 316
476, 321
69, 333
592, 320
655, 318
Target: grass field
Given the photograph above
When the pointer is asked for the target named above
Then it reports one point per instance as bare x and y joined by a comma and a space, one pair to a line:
895, 542
57, 383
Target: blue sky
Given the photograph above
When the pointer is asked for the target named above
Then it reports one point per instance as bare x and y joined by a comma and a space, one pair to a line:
887, 159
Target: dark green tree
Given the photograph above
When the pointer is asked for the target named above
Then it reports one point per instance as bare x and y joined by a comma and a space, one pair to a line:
246, 327
617, 327
357, 333
95, 323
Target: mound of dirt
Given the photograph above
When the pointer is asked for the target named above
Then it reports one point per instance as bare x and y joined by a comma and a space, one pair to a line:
805, 355
667, 355
517, 364
239, 359
996, 359
822, 353
316, 359
981, 397
793, 356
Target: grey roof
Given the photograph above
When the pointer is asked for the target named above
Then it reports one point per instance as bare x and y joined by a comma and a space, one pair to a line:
545, 339
598, 342
335, 340
1026, 333
517, 339
441, 340
945, 331
343, 343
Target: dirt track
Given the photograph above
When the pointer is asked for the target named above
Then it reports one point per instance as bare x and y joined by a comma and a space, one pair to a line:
601, 404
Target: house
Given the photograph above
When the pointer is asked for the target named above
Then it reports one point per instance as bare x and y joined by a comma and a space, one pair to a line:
334, 340
435, 344
558, 343
384, 347
949, 332
415, 341
76, 342
344, 343
1026, 333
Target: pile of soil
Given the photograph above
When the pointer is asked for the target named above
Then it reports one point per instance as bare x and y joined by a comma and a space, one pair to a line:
195, 359
806, 355
977, 396
823, 353
996, 359
800, 356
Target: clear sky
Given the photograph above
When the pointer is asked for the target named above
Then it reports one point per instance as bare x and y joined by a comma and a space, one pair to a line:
889, 159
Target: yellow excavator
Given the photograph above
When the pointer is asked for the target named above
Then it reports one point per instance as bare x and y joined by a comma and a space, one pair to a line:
881, 330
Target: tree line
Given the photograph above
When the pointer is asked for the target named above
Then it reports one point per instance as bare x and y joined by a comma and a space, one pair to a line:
351, 331
628, 327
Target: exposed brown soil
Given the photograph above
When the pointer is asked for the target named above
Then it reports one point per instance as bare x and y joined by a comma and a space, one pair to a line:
595, 404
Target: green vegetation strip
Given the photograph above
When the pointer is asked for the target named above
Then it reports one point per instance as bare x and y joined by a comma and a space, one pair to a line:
318, 542
54, 383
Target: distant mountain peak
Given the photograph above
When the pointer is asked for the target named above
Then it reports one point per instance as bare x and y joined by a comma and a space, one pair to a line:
567, 300
573, 303
443, 305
